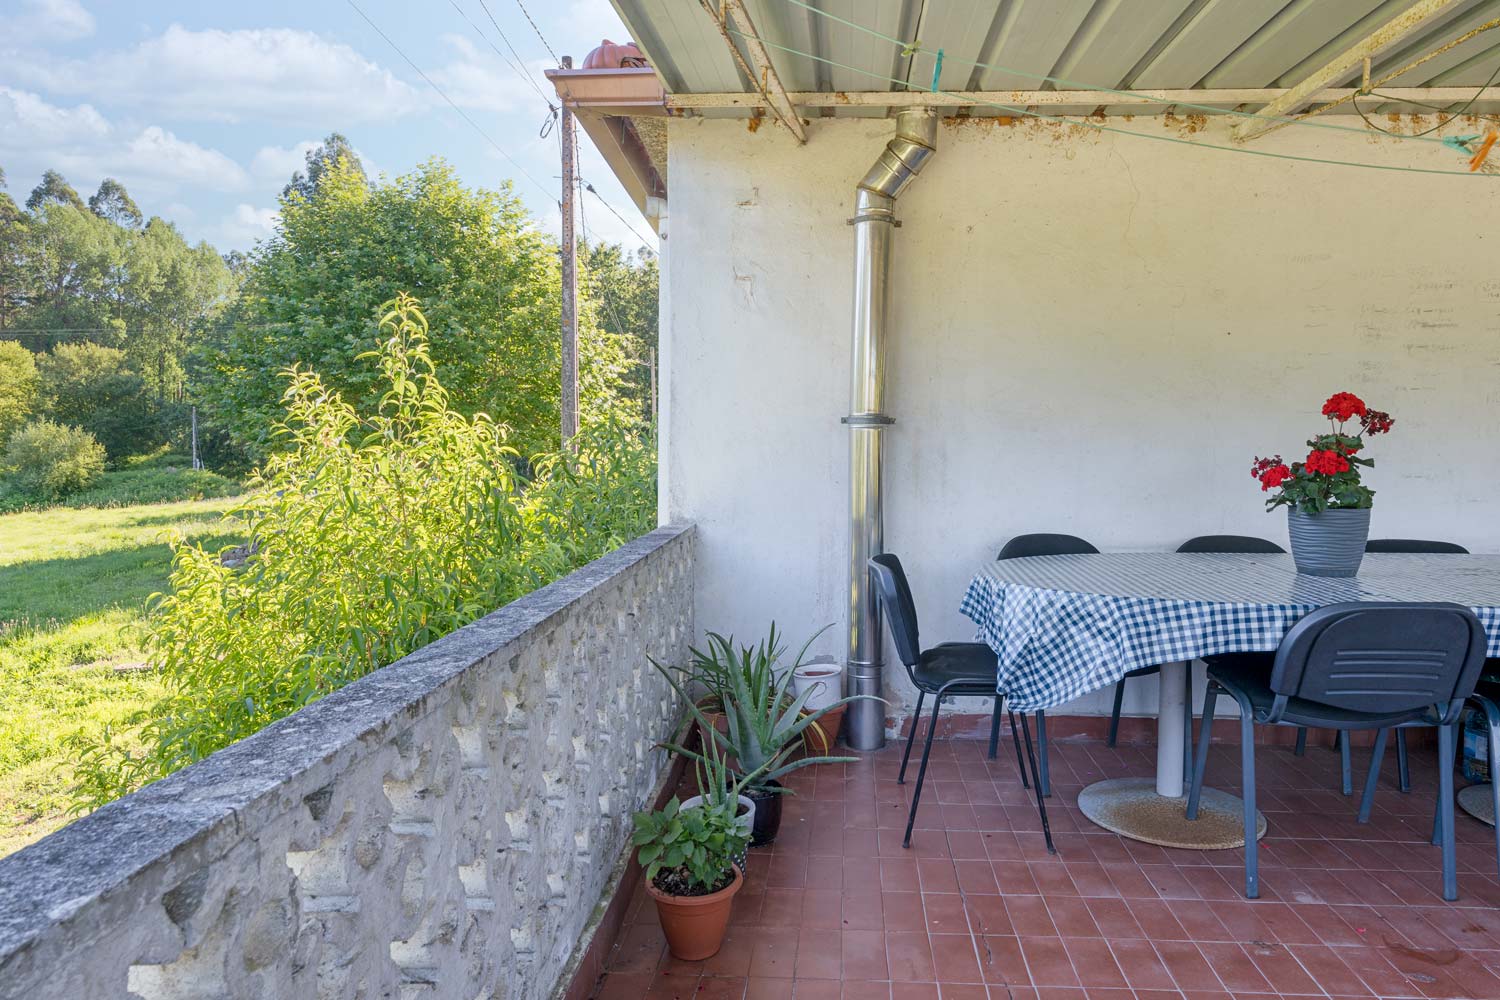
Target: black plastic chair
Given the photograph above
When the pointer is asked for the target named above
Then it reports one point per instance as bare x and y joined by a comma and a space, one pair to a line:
1403, 766
1347, 667
1202, 543
957, 669
1043, 543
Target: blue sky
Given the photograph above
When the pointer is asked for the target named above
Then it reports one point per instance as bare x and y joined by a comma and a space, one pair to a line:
204, 109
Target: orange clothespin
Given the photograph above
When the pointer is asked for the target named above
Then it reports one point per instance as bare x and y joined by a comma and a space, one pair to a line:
1477, 160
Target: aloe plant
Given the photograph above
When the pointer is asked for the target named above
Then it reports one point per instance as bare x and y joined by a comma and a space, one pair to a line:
766, 724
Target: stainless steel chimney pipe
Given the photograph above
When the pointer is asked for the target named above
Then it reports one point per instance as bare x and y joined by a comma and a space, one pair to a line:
874, 225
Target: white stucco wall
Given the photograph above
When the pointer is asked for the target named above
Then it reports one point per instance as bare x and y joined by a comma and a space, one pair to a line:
1093, 334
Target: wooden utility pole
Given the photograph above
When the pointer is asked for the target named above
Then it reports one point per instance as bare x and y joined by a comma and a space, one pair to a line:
569, 273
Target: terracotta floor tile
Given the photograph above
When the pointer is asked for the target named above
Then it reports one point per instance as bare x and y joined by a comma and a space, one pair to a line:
1047, 962
945, 913
768, 989
902, 912
864, 954
1001, 961
954, 959
909, 957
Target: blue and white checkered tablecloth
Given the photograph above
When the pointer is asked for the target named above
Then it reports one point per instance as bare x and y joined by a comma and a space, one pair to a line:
1063, 626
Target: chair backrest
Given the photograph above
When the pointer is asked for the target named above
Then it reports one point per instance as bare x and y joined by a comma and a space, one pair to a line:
1046, 544
1231, 543
1414, 545
1384, 659
900, 610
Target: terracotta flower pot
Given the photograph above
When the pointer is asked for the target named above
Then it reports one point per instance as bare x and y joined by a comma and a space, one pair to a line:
824, 732
695, 925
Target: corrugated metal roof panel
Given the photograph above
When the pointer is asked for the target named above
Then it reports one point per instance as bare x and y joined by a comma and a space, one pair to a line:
1129, 44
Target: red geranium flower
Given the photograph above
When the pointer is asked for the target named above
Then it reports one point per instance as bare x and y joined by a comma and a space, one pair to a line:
1326, 463
1377, 422
1343, 405
1274, 477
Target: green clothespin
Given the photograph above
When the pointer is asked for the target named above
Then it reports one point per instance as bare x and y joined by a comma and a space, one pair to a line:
937, 70
1460, 143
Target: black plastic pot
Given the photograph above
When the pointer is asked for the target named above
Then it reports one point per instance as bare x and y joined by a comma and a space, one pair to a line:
767, 815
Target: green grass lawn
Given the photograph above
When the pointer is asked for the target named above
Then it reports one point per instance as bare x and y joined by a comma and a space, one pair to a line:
73, 590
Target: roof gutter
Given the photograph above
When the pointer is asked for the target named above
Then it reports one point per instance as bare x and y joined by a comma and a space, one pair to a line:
874, 225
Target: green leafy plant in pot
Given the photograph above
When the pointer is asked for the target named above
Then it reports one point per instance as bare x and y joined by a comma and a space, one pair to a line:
1328, 507
689, 861
720, 788
766, 724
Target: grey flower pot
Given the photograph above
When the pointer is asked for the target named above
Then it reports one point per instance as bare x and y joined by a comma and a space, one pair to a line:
1328, 544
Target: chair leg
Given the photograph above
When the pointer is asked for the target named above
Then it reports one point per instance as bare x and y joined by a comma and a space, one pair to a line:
916, 793
1041, 805
1445, 806
1367, 800
1403, 767
1346, 764
1015, 737
1247, 793
1301, 747
995, 727
911, 738
1492, 720
1114, 715
1195, 790
1187, 719
1041, 740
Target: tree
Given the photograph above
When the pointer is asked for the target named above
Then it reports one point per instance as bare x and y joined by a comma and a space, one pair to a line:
113, 202
335, 151
623, 292
53, 189
12, 242
18, 387
93, 387
487, 278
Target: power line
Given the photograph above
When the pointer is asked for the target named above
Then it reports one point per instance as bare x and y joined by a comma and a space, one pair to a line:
461, 113
590, 189
536, 29
518, 70
1098, 127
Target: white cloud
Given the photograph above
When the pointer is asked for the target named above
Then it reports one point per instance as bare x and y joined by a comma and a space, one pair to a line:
26, 114
159, 152
483, 81
246, 224
47, 20
36, 135
262, 74
273, 163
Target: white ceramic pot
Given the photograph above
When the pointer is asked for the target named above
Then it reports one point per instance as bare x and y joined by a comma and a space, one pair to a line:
824, 680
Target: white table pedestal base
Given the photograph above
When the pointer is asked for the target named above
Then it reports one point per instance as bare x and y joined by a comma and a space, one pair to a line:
1477, 802
1131, 808
1153, 810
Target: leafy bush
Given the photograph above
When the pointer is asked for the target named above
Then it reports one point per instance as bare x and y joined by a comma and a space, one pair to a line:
371, 536
47, 461
17, 387
93, 387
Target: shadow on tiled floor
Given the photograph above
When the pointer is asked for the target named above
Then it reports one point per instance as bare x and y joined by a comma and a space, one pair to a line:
977, 908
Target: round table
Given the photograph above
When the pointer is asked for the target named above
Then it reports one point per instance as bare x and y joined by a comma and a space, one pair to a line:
1063, 626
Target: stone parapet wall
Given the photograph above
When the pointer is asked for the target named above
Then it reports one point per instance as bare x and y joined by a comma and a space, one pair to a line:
443, 828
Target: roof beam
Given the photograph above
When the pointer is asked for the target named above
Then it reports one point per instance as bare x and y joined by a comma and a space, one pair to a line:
761, 73
1420, 14
1226, 99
